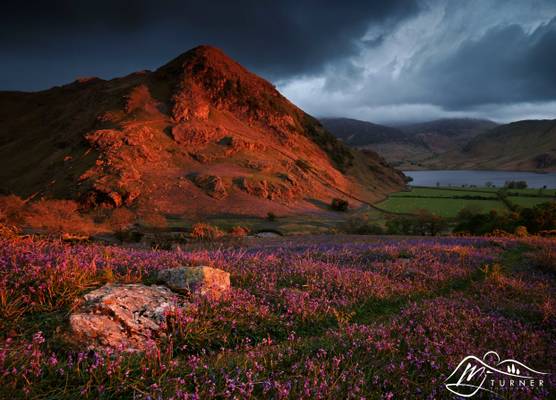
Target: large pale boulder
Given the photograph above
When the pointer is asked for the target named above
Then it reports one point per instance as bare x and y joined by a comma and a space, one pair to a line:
207, 281
126, 317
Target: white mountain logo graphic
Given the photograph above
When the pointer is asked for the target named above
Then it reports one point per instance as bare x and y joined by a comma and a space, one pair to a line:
473, 375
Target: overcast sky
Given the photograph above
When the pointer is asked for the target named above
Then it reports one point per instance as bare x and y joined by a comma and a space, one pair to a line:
389, 61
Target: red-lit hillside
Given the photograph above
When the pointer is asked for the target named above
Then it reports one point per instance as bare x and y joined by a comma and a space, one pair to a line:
199, 136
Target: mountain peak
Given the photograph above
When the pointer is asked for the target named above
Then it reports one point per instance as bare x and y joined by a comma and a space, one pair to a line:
200, 127
201, 57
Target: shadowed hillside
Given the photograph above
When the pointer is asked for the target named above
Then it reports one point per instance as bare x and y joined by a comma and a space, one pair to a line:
521, 145
413, 146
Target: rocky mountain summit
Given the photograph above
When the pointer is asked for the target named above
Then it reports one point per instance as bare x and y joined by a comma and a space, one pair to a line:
201, 135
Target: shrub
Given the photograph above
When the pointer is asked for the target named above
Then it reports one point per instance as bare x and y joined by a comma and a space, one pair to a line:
129, 236
362, 226
239, 231
8, 231
424, 223
162, 242
12, 210
516, 184
339, 204
430, 224
271, 217
541, 217
59, 216
521, 231
202, 231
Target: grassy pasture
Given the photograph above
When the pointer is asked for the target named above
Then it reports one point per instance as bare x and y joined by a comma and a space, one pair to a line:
524, 201
445, 207
448, 201
443, 192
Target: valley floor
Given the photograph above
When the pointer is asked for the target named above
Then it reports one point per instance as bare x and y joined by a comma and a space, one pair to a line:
314, 317
449, 201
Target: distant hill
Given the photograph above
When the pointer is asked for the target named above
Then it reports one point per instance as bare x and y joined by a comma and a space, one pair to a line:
362, 133
521, 145
411, 146
199, 136
443, 135
461, 143
451, 127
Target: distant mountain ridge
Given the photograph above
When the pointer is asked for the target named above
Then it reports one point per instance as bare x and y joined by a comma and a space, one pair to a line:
408, 146
461, 143
363, 133
450, 126
520, 145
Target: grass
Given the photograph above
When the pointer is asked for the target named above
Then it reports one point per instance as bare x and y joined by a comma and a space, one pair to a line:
443, 192
444, 207
448, 201
321, 223
528, 202
443, 201
529, 191
315, 317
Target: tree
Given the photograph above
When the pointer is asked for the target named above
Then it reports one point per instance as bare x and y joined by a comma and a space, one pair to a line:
516, 184
339, 204
424, 223
430, 224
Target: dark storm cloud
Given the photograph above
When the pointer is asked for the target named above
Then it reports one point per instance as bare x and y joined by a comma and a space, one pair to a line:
46, 43
479, 58
506, 65
377, 60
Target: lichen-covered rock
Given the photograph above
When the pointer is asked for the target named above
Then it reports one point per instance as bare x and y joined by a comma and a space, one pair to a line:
122, 316
207, 281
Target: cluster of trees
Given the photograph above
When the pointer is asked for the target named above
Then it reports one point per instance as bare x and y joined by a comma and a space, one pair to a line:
339, 204
537, 219
516, 185
424, 223
520, 221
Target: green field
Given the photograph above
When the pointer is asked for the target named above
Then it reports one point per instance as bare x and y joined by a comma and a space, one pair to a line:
444, 207
524, 201
443, 192
443, 201
448, 201
529, 191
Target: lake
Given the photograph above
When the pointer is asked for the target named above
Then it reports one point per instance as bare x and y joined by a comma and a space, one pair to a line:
480, 178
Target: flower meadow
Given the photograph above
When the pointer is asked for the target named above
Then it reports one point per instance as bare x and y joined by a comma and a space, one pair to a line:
324, 317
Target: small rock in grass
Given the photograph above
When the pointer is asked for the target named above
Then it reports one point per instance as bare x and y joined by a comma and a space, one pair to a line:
207, 281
